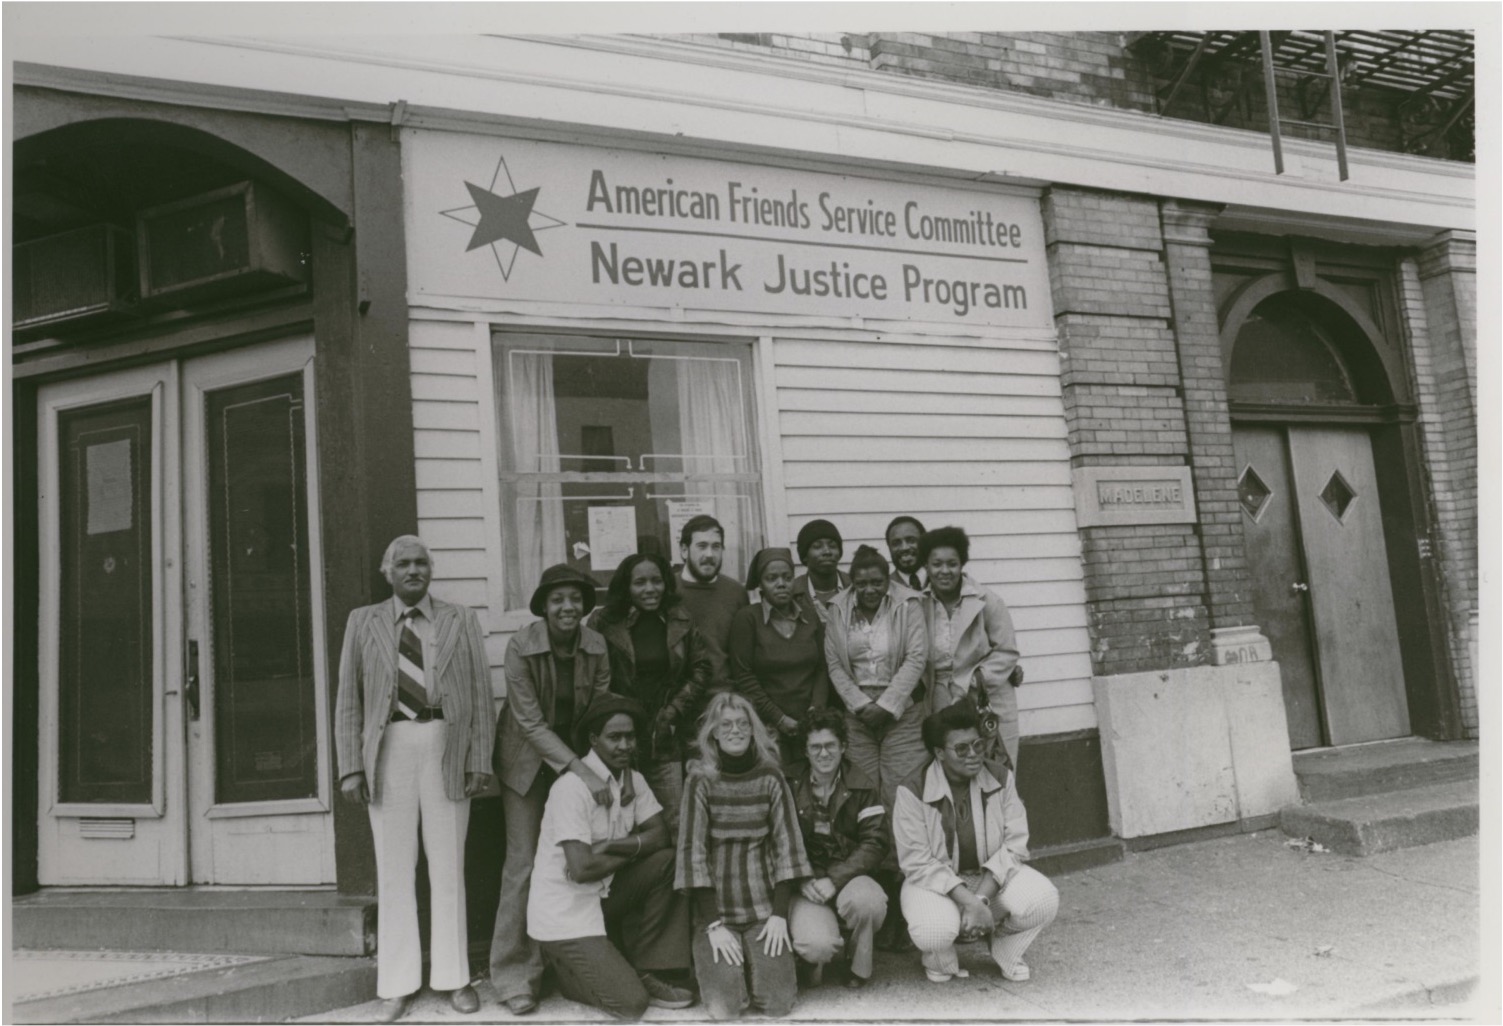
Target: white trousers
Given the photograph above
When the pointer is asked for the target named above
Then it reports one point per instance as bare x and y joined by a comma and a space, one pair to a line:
1021, 909
412, 795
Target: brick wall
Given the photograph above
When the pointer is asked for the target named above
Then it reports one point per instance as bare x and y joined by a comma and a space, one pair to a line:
1143, 387
1439, 300
1100, 69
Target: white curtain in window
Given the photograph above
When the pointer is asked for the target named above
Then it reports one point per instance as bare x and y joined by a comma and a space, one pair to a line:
711, 424
539, 526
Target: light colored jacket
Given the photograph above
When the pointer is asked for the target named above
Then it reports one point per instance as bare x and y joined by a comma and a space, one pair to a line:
460, 678
923, 822
907, 654
526, 737
985, 647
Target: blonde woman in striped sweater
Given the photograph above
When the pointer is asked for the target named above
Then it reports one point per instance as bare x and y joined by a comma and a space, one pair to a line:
740, 857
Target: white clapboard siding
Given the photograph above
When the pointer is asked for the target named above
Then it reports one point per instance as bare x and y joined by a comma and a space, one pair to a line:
966, 435
452, 405
963, 434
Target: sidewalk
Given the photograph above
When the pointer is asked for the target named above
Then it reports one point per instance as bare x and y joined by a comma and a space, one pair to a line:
1243, 927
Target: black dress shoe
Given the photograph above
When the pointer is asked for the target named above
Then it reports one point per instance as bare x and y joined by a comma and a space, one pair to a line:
392, 1009
464, 1000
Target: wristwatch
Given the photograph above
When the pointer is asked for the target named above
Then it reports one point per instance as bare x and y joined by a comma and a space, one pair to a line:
711, 926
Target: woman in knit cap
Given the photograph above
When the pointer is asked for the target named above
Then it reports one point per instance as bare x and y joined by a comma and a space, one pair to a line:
776, 650
819, 550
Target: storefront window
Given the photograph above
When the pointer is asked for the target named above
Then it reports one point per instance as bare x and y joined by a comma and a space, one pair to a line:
609, 445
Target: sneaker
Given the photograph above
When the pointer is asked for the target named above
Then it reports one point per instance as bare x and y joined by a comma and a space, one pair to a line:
935, 976
1017, 972
662, 994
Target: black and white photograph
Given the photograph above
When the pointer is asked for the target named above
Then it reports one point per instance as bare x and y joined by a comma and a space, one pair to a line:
695, 512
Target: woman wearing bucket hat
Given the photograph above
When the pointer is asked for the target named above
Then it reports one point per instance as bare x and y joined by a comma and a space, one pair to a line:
776, 651
555, 668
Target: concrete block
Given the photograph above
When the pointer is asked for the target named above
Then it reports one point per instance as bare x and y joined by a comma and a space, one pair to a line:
1253, 696
1193, 747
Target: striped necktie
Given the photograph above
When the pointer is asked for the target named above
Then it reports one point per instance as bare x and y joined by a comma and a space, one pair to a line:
412, 691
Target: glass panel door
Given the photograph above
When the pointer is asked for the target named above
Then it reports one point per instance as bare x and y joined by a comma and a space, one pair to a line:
111, 789
266, 736
259, 780
106, 670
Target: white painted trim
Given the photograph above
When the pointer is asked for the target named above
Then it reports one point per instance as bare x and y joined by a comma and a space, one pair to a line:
245, 810
770, 441
580, 317
490, 477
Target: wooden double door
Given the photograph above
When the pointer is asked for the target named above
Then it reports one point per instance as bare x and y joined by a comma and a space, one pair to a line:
1321, 585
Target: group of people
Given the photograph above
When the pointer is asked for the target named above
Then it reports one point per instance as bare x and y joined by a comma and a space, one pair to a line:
705, 797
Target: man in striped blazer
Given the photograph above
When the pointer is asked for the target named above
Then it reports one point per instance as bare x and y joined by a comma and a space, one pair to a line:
414, 723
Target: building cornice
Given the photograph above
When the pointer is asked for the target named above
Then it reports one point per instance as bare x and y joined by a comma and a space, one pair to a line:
731, 99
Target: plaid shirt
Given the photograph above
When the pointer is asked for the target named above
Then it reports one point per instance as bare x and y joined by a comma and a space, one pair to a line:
739, 835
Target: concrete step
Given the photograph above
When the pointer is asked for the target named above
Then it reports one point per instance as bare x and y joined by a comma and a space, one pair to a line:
1354, 770
196, 919
1370, 824
267, 990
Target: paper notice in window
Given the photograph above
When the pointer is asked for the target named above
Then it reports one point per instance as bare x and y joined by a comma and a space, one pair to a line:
108, 474
680, 512
613, 536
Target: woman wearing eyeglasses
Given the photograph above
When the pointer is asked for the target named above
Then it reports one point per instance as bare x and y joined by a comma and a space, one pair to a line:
740, 856
962, 840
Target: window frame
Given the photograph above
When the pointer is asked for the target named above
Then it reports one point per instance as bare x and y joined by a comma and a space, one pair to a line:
762, 478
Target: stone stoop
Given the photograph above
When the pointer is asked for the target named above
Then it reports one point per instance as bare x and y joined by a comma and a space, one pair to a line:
257, 921
1364, 799
267, 990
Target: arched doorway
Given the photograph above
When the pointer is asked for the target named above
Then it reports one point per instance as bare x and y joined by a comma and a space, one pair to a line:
184, 733
1307, 390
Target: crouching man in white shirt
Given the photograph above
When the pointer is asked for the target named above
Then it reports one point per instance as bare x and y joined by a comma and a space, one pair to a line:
602, 905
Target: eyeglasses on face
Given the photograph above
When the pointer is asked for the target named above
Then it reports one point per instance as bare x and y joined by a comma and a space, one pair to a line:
825, 748
734, 727
966, 749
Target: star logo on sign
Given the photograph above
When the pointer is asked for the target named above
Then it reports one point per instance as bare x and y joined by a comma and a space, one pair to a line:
506, 224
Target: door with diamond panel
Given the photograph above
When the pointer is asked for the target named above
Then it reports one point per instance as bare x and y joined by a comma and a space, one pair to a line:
1270, 523
1351, 595
1321, 587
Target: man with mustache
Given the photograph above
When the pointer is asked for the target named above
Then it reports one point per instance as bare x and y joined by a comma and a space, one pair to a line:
710, 597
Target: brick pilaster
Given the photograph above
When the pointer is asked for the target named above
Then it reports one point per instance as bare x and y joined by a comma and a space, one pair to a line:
1120, 375
1197, 335
1438, 292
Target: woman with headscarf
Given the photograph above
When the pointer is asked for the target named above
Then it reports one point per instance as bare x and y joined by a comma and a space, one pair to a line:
740, 856
972, 648
555, 667
659, 660
776, 650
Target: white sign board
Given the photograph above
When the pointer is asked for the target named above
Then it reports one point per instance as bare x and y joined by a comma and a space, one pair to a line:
494, 218
613, 536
